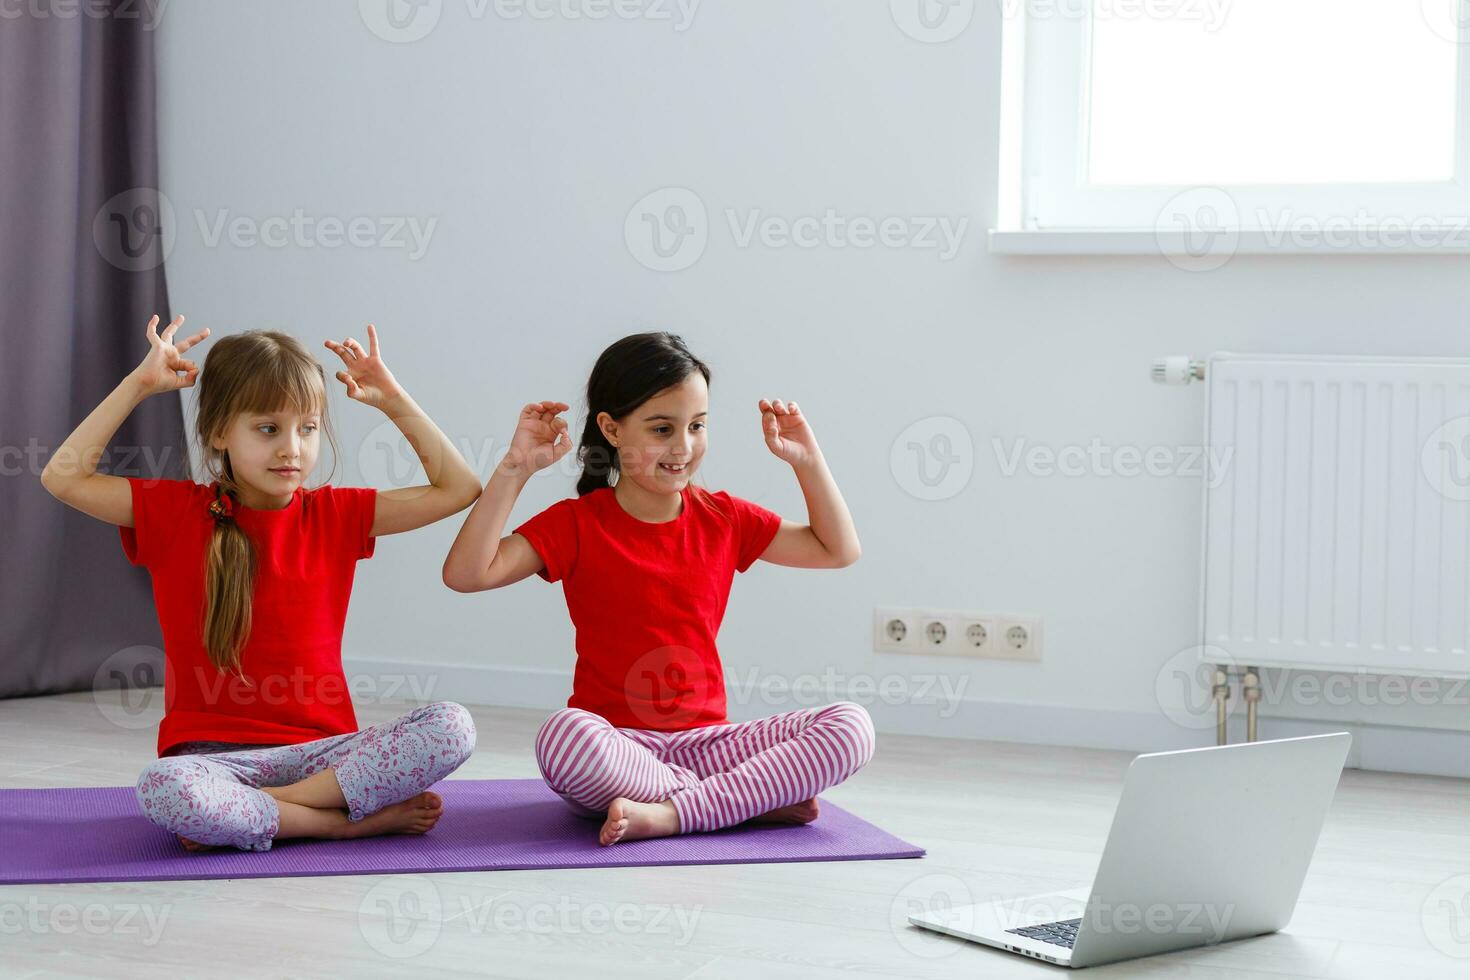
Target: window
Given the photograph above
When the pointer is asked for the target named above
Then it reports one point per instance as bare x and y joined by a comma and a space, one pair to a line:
1135, 125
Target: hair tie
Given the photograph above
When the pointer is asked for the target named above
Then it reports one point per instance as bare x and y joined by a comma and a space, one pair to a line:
223, 507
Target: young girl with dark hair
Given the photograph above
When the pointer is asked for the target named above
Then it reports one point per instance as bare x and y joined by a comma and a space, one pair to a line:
646, 560
251, 576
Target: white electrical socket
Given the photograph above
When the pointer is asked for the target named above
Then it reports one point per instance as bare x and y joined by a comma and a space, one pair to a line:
1020, 639
978, 636
938, 632
895, 631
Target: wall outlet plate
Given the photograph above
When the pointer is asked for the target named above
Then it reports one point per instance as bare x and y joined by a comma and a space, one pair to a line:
895, 631
977, 636
950, 633
1019, 639
938, 632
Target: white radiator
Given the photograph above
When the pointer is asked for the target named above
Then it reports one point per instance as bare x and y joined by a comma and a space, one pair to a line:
1337, 531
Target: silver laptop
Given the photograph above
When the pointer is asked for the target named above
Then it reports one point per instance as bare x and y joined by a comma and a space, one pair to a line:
1207, 845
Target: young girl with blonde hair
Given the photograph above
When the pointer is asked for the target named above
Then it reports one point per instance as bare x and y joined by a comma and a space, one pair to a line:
251, 579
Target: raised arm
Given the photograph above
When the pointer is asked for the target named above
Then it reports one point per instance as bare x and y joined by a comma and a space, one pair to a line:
71, 474
830, 540
480, 558
452, 485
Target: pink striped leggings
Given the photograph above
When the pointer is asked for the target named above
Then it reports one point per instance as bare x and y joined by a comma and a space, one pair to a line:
716, 776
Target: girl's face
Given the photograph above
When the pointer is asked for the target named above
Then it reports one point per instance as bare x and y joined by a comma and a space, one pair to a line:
661, 442
270, 453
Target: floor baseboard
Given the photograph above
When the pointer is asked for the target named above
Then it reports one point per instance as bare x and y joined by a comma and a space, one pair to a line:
1385, 748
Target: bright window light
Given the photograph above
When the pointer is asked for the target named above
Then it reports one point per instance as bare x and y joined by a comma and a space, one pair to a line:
1271, 91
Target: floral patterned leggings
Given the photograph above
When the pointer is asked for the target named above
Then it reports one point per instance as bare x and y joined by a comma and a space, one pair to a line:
209, 791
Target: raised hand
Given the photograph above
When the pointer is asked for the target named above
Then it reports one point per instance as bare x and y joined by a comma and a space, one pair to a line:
541, 438
159, 371
787, 433
367, 378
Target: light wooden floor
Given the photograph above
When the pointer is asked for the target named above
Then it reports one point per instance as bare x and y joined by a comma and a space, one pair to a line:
997, 820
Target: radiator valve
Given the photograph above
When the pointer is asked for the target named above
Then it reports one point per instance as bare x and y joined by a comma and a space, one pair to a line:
1177, 370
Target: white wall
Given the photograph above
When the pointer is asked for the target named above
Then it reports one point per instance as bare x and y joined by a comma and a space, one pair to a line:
530, 140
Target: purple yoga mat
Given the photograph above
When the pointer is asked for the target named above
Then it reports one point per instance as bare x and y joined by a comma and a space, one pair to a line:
100, 834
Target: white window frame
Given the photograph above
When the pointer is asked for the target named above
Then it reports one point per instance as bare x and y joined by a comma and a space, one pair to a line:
1046, 207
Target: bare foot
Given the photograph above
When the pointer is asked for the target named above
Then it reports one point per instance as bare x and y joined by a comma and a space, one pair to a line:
630, 820
415, 815
194, 845
797, 813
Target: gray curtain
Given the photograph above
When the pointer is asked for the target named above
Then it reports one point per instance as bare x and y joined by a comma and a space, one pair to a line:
81, 270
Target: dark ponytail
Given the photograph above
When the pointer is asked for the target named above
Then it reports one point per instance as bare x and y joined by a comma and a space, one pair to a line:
626, 375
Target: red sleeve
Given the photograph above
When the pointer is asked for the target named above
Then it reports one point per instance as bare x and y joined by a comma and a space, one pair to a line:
553, 533
352, 511
755, 527
157, 505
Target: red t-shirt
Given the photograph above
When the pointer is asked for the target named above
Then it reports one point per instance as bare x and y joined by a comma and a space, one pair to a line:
294, 689
647, 600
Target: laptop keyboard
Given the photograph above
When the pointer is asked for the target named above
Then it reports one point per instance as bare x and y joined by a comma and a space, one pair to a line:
1063, 933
